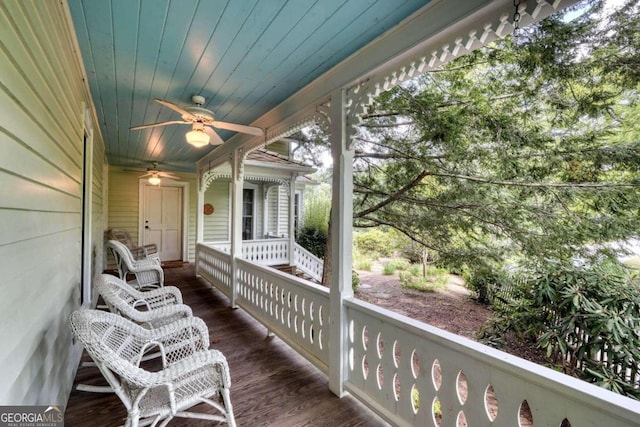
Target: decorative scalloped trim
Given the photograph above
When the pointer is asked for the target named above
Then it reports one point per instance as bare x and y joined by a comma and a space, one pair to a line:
361, 95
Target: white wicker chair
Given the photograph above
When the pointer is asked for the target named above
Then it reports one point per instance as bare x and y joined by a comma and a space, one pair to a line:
138, 252
147, 271
153, 308
190, 373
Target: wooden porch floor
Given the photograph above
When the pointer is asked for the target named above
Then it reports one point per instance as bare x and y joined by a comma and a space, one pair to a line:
271, 385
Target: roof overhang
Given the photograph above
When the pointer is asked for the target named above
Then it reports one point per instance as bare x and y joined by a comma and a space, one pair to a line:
435, 34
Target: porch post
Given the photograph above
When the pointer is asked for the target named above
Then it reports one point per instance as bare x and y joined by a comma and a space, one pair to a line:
292, 228
237, 180
199, 210
341, 237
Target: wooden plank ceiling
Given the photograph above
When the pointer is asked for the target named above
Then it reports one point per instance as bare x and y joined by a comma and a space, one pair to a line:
243, 56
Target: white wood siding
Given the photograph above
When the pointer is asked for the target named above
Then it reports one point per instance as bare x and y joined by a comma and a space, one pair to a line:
124, 206
216, 225
283, 214
280, 147
42, 97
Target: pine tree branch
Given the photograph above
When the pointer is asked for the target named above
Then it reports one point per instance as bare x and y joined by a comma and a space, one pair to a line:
535, 184
394, 196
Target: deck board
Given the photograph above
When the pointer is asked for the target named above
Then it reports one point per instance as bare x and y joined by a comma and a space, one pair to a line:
271, 385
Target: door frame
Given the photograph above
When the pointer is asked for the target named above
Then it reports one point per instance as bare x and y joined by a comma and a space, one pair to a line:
185, 211
87, 265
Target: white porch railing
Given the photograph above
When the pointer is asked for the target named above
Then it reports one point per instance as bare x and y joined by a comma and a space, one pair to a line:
263, 251
399, 367
294, 309
214, 264
276, 251
308, 263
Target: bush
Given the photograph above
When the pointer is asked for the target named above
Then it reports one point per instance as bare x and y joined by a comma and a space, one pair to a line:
486, 281
435, 279
576, 312
363, 263
388, 269
374, 242
355, 280
400, 264
317, 205
313, 239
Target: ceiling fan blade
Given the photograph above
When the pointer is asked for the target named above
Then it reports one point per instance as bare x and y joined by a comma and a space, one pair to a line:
215, 138
168, 175
174, 107
146, 174
252, 130
150, 125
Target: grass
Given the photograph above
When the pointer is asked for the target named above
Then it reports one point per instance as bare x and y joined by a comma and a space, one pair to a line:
388, 269
435, 279
363, 264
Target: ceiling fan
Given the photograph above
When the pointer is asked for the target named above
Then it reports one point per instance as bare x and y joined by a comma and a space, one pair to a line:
154, 175
202, 122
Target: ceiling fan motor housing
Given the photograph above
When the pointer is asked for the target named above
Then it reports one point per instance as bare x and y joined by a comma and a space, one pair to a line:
198, 100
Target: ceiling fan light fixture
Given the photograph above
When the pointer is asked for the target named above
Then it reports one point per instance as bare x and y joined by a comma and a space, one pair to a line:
197, 137
154, 179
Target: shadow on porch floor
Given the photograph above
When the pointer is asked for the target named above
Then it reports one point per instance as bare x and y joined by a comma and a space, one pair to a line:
271, 385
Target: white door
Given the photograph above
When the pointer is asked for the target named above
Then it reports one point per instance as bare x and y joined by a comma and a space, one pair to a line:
163, 220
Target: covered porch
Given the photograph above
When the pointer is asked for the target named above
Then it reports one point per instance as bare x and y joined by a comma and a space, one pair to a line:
271, 383
330, 359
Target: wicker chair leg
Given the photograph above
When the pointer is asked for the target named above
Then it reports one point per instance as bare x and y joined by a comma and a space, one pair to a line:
226, 400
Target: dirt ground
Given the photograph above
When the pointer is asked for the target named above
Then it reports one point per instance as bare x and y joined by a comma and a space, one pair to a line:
451, 309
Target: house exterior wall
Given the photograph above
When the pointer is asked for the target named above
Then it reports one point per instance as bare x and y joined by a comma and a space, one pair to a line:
124, 205
216, 225
42, 101
280, 147
283, 214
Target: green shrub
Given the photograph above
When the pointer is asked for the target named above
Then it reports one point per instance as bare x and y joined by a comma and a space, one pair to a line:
313, 239
486, 281
415, 269
317, 205
363, 263
388, 269
414, 279
400, 264
355, 280
575, 312
373, 242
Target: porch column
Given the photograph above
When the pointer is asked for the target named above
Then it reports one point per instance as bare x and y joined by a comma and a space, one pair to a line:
292, 228
341, 238
237, 181
200, 210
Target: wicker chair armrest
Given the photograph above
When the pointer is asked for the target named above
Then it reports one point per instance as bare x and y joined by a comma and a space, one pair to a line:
188, 325
197, 361
138, 252
180, 339
146, 264
151, 249
166, 295
150, 316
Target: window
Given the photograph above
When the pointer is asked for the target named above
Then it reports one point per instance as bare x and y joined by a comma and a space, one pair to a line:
247, 213
296, 212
